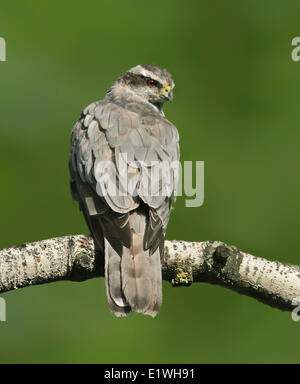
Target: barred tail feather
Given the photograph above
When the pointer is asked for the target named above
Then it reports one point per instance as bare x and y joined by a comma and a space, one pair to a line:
133, 275
115, 297
141, 278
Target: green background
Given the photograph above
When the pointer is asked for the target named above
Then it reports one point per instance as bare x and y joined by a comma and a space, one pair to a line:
236, 107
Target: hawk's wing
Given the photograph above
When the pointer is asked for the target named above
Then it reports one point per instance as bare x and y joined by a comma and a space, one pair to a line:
119, 161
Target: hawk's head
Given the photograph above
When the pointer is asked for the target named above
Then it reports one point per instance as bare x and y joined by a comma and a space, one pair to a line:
152, 83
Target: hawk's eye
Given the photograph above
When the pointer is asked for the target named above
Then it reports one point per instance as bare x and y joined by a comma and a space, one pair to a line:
151, 83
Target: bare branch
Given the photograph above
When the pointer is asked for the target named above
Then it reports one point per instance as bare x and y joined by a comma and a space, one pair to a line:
74, 258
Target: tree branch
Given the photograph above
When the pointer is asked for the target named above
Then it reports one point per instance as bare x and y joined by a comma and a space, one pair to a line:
74, 258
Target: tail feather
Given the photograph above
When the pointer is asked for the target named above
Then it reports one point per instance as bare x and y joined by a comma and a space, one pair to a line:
115, 297
133, 278
155, 265
140, 284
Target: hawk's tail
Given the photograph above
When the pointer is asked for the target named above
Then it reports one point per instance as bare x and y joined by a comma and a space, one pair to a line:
134, 279
113, 282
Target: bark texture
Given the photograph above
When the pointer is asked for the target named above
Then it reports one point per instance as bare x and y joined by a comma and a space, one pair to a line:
74, 258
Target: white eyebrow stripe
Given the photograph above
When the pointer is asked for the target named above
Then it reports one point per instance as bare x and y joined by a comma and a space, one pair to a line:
139, 70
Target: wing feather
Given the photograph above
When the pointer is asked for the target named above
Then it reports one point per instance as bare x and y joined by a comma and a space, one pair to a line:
105, 133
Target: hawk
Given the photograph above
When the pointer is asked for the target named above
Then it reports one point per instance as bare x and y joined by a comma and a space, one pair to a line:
123, 151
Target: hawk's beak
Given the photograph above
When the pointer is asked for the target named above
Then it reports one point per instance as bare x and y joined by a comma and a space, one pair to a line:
167, 93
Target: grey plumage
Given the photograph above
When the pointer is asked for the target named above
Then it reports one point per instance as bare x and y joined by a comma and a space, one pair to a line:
128, 224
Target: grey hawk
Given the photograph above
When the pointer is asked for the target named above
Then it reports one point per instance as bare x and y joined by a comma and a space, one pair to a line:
118, 147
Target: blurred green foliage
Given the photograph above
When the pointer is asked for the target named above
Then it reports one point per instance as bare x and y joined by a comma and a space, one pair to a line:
236, 107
